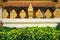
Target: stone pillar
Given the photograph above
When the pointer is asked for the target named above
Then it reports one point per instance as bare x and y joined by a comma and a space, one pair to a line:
30, 11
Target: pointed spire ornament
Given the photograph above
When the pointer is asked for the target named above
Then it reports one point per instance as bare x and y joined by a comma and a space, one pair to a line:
30, 8
48, 14
30, 12
38, 14
13, 14
4, 13
56, 13
22, 14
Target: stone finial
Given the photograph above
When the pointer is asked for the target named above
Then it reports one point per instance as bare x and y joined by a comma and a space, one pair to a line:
30, 8
38, 14
48, 14
13, 14
56, 13
22, 14
4, 13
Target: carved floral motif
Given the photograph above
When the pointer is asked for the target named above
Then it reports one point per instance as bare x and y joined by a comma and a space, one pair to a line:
4, 13
38, 14
13, 14
22, 14
48, 14
56, 13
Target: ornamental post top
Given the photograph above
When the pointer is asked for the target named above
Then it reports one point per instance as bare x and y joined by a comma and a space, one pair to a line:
48, 10
5, 10
13, 11
30, 8
48, 14
22, 11
4, 13
57, 9
39, 10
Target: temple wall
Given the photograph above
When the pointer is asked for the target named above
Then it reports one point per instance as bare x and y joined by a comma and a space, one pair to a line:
12, 16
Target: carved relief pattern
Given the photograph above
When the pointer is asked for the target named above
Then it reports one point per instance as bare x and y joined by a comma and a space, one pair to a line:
56, 13
22, 14
13, 14
48, 14
4, 13
38, 14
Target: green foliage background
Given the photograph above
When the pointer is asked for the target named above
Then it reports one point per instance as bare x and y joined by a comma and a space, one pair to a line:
32, 33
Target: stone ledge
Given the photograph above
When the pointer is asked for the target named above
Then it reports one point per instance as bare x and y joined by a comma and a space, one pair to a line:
30, 25
20, 23
52, 20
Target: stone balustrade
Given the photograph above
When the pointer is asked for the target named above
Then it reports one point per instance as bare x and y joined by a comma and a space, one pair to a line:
29, 18
38, 14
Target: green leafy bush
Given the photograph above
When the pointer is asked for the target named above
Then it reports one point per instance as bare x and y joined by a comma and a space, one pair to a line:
32, 33
58, 26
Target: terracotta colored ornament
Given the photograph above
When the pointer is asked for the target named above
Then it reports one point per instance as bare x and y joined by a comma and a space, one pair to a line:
13, 14
4, 13
56, 13
30, 12
22, 14
38, 14
48, 14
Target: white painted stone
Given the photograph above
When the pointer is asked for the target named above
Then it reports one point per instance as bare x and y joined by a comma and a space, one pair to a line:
56, 20
20, 23
29, 25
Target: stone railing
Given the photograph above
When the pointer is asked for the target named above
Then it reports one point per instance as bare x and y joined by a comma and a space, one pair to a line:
30, 21
38, 14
